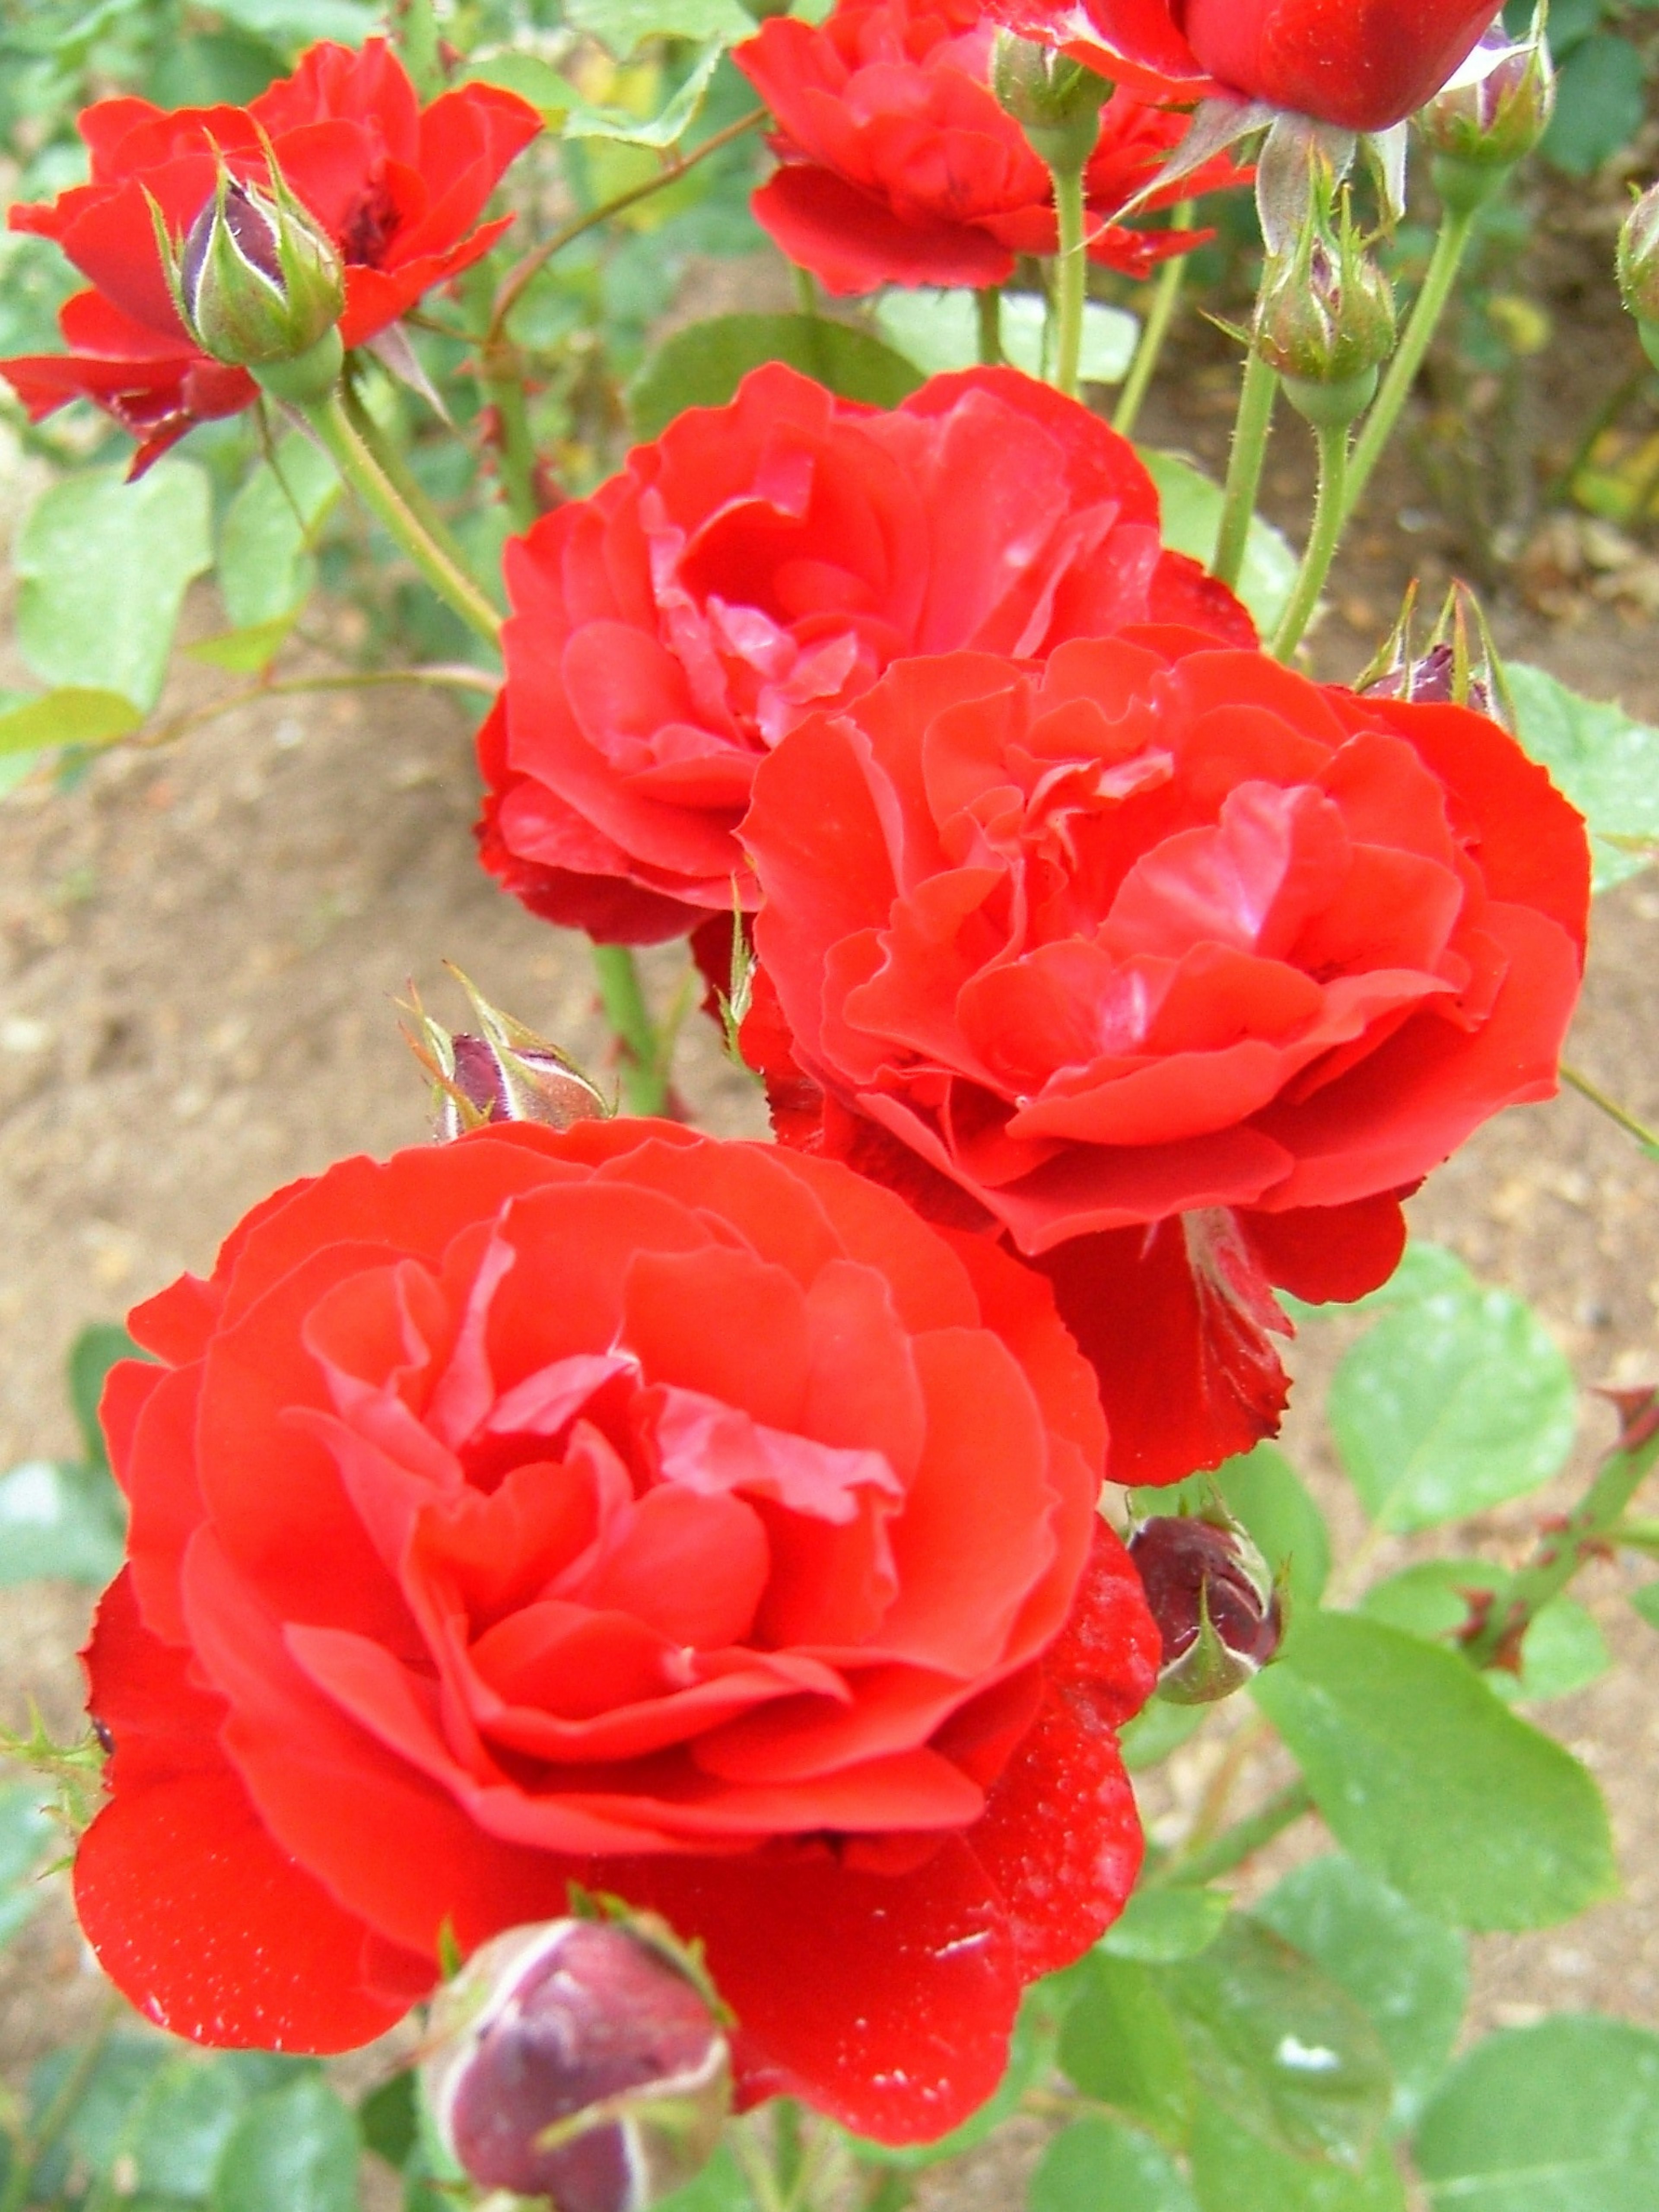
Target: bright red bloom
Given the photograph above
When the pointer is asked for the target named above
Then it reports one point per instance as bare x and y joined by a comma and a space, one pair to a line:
397, 187
688, 1519
898, 166
1172, 967
1363, 64
769, 557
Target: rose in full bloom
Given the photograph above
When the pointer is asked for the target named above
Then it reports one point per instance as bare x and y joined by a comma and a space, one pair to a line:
689, 1520
898, 167
772, 557
1364, 64
397, 187
1171, 967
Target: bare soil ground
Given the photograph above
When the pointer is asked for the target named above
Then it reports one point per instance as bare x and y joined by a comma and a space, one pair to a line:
199, 953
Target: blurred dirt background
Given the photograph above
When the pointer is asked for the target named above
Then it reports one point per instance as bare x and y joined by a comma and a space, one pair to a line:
199, 949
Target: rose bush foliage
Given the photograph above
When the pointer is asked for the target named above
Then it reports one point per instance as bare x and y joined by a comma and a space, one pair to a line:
771, 557
399, 188
689, 1519
1172, 967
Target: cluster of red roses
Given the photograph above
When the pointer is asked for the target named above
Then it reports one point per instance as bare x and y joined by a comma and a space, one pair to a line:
717, 1524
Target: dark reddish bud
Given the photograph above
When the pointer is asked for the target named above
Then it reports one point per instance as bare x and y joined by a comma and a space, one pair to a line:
580, 2061
1459, 666
505, 1073
1212, 1595
258, 282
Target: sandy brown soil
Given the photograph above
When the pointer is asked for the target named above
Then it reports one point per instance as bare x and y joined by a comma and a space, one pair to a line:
198, 952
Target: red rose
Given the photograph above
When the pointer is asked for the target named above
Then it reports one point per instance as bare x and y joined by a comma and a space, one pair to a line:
898, 166
769, 557
1364, 64
399, 188
1171, 966
688, 1519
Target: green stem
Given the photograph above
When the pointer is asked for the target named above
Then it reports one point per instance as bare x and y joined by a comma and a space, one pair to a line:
357, 464
440, 676
1251, 430
1071, 277
1328, 512
806, 292
1648, 1139
1457, 229
1236, 1844
398, 473
40, 2140
988, 302
645, 1088
1166, 298
1636, 1535
500, 380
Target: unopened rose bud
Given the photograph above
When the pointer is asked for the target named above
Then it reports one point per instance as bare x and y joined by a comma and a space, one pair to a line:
1638, 268
1325, 319
506, 1072
1055, 101
256, 281
1213, 1598
1459, 666
579, 2061
1493, 113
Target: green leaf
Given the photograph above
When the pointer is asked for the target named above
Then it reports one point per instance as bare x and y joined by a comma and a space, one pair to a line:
1560, 2118
96, 2128
94, 1352
703, 365
1564, 1650
1607, 763
176, 2132
1263, 1491
294, 2150
1409, 1973
1121, 2044
719, 2187
104, 566
245, 652
266, 570
25, 1831
1234, 2171
620, 25
1427, 1778
1096, 2166
1599, 105
60, 1523
71, 716
1449, 1405
1280, 2046
1192, 523
390, 2120
1646, 1601
561, 104
1157, 1730
939, 331
295, 22
1158, 1926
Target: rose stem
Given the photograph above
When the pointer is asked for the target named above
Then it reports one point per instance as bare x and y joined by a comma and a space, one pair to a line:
442, 676
1236, 1844
806, 292
1071, 277
1329, 512
645, 1089
1564, 1551
396, 470
988, 300
1457, 229
357, 464
524, 272
498, 371
1251, 429
1166, 298
1648, 1139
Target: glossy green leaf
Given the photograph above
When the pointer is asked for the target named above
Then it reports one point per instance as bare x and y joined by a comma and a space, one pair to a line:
71, 716
1408, 1972
96, 2128
1121, 2044
266, 570
1157, 1730
294, 2150
60, 1523
1192, 523
176, 2131
1564, 1651
26, 1835
1096, 2166
939, 331
1279, 2046
1449, 1405
703, 365
1606, 762
1599, 105
620, 25
561, 104
103, 568
1158, 1926
1560, 2118
1234, 2171
1430, 1780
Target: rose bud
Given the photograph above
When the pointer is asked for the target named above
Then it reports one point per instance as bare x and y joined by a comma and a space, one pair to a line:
1638, 268
1325, 318
259, 284
581, 2060
1056, 101
1492, 114
1213, 1597
506, 1072
1453, 669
